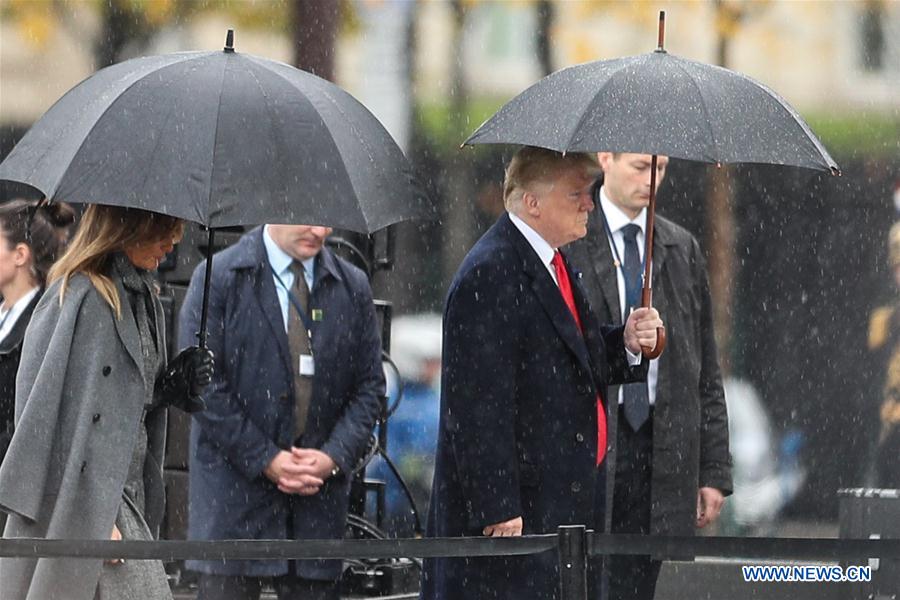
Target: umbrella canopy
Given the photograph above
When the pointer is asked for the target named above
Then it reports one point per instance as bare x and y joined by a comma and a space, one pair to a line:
222, 139
219, 138
657, 103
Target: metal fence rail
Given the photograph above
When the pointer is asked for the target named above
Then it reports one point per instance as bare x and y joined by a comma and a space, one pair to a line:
573, 543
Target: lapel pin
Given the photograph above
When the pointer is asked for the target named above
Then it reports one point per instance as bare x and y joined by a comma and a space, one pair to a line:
317, 314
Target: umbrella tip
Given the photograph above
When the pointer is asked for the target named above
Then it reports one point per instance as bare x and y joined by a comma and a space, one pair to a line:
229, 41
661, 39
836, 172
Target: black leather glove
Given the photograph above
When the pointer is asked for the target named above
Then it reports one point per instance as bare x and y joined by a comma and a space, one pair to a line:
185, 378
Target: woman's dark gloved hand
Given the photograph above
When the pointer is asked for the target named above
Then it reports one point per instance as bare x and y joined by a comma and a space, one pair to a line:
185, 378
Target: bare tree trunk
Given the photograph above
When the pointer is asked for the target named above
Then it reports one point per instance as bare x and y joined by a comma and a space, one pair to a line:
720, 244
122, 24
113, 36
545, 14
313, 29
721, 232
458, 213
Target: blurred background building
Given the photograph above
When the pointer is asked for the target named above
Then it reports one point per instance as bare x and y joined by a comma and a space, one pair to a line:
797, 259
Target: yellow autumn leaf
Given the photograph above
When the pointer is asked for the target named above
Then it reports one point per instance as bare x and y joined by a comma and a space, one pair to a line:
36, 27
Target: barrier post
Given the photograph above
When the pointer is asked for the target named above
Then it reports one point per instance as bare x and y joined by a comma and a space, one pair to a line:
572, 547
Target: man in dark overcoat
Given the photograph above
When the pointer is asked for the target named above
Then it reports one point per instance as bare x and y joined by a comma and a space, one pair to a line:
525, 371
290, 409
671, 461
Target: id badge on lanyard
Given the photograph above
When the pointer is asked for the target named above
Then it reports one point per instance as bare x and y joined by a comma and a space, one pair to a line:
307, 365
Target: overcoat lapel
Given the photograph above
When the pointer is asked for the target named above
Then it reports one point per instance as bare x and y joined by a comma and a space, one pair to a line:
562, 319
267, 298
547, 293
162, 343
661, 241
128, 331
605, 269
254, 277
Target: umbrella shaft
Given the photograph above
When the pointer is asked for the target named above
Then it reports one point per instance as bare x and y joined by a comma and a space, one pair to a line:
648, 239
201, 335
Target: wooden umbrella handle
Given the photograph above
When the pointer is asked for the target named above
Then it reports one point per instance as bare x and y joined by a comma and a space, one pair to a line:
654, 352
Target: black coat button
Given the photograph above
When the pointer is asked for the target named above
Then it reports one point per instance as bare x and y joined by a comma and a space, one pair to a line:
107, 370
96, 417
579, 437
576, 487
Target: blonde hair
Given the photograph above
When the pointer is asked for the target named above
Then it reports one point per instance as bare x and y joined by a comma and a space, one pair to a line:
531, 165
102, 231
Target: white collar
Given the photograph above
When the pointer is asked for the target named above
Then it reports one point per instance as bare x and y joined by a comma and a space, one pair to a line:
544, 250
10, 314
22, 302
281, 260
616, 218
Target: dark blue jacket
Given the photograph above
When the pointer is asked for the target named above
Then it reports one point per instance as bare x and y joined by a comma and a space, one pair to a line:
518, 433
250, 404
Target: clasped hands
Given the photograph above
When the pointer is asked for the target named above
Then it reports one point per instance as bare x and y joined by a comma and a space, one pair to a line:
300, 471
640, 329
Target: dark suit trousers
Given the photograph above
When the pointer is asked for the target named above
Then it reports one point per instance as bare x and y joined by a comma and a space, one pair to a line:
597, 589
632, 577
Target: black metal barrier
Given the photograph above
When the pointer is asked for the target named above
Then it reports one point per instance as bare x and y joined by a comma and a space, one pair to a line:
574, 544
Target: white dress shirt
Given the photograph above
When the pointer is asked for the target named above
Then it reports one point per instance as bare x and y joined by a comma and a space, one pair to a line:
10, 314
616, 219
281, 263
545, 253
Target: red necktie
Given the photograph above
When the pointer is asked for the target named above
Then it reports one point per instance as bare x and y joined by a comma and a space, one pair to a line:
565, 288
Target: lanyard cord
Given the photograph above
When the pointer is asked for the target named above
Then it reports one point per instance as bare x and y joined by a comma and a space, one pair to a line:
617, 261
307, 322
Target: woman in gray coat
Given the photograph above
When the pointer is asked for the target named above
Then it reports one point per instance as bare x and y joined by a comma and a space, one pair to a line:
85, 461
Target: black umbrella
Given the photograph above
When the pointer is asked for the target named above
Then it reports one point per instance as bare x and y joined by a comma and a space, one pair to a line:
657, 103
222, 139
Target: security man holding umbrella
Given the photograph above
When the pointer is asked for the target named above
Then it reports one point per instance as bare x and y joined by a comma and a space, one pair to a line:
671, 461
290, 409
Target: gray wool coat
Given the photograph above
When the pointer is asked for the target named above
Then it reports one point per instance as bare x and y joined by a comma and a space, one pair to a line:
80, 396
